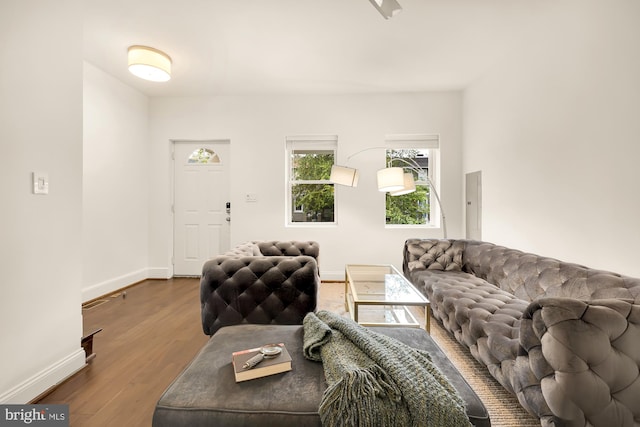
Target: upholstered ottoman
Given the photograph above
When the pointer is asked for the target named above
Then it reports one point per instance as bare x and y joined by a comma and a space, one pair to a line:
206, 393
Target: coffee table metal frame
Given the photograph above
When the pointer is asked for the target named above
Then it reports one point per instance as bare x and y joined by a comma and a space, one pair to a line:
381, 285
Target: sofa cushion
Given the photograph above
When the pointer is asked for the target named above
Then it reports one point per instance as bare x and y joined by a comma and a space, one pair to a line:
529, 276
434, 254
266, 289
289, 248
244, 249
482, 316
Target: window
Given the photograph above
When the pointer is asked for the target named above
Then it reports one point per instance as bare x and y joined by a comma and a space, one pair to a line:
310, 196
417, 154
203, 155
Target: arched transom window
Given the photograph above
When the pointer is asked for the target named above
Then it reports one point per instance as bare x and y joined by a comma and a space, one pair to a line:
203, 155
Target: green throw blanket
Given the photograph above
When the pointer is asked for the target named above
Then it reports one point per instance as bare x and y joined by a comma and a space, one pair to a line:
375, 380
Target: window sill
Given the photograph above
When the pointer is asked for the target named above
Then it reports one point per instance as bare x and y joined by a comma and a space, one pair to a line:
414, 226
311, 225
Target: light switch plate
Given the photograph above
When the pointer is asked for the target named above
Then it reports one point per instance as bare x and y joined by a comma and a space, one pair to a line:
40, 183
250, 197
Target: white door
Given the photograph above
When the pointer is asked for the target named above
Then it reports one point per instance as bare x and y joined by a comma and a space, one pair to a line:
474, 205
201, 193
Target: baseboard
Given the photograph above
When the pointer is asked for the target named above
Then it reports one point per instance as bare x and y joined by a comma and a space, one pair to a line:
45, 379
158, 273
112, 285
332, 276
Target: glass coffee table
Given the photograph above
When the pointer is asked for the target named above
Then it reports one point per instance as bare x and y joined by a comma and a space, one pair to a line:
378, 295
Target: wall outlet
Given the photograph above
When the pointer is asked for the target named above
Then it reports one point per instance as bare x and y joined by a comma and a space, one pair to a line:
250, 197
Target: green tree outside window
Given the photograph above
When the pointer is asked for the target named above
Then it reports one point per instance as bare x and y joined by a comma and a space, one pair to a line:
412, 208
312, 193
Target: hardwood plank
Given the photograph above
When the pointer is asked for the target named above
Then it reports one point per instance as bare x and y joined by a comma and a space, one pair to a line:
147, 340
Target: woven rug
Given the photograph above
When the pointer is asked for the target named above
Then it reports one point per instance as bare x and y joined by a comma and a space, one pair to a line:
504, 408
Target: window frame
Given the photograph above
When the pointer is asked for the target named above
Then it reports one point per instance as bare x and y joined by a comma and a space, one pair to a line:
431, 144
307, 143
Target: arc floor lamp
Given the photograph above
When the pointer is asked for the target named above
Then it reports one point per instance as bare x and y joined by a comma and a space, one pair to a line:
392, 179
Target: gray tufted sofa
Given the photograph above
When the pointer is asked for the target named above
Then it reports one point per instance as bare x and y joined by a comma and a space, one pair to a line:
270, 282
565, 339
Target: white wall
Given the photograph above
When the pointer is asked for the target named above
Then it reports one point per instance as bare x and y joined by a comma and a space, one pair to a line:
555, 129
257, 127
40, 130
116, 181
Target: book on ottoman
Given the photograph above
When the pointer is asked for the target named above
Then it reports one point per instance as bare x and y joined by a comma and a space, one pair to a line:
275, 359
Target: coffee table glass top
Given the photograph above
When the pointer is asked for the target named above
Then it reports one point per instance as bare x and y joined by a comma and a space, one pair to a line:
378, 295
381, 283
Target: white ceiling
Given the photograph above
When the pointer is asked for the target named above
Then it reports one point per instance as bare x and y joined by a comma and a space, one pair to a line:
307, 46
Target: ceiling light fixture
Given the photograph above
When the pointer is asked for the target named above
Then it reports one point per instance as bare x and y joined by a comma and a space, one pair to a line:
387, 8
149, 63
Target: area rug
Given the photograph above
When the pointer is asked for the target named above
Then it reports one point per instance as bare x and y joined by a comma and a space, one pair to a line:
504, 408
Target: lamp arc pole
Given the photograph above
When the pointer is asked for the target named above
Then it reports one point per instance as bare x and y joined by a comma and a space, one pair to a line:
418, 170
345, 175
362, 151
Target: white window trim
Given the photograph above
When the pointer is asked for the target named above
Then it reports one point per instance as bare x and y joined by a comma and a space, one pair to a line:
429, 142
314, 142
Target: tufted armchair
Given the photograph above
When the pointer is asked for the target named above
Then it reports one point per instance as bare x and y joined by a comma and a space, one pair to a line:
564, 338
260, 282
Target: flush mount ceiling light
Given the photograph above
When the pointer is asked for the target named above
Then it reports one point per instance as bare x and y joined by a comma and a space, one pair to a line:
149, 63
387, 8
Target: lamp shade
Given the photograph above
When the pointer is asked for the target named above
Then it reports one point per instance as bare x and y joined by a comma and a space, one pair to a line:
390, 179
149, 63
387, 8
344, 176
409, 185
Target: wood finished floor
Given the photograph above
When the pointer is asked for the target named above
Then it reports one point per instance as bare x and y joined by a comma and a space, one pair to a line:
150, 336
147, 340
